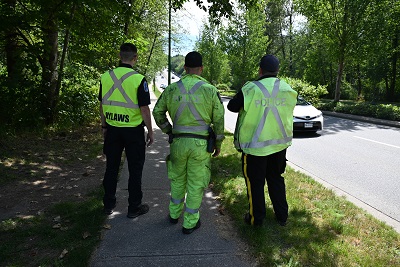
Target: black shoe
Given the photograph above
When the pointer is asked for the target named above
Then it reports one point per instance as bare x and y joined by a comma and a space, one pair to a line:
282, 223
247, 219
172, 220
142, 209
108, 211
189, 231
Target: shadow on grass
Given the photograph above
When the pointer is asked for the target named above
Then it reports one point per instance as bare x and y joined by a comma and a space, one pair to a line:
301, 239
70, 228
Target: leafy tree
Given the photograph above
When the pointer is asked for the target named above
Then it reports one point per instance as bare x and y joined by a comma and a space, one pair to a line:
341, 23
177, 63
215, 61
244, 42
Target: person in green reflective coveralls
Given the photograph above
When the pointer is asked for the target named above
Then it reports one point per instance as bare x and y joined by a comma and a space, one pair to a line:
195, 108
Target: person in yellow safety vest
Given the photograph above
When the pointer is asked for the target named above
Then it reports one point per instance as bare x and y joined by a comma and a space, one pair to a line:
264, 130
194, 106
124, 108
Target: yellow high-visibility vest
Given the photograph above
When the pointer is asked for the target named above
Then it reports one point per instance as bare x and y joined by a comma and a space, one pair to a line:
265, 124
119, 97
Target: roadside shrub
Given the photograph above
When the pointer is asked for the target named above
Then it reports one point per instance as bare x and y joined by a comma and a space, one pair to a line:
77, 106
309, 92
381, 111
223, 87
78, 100
329, 106
388, 112
347, 91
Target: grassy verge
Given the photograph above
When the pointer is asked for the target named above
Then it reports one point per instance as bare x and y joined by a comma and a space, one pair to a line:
323, 229
66, 235
156, 91
50, 191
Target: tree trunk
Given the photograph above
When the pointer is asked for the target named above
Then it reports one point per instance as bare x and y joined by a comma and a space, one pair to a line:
127, 17
64, 52
391, 90
339, 79
359, 82
11, 45
49, 67
151, 52
291, 71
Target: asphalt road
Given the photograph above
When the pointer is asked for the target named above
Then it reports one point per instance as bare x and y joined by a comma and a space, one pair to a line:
163, 79
356, 159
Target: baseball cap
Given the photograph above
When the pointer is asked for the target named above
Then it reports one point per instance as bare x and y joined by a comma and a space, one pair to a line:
269, 63
193, 59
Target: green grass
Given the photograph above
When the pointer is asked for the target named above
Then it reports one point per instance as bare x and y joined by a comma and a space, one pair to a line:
156, 91
323, 229
22, 238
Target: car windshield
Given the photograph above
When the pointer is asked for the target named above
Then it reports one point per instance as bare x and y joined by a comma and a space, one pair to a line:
302, 102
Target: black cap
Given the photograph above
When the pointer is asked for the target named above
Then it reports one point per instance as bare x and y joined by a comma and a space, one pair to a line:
193, 59
269, 63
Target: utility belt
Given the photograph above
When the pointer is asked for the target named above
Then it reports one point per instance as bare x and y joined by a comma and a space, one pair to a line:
210, 138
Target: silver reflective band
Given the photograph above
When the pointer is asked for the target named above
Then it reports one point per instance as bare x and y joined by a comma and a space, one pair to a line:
192, 211
254, 142
203, 126
220, 137
177, 201
118, 85
191, 128
162, 126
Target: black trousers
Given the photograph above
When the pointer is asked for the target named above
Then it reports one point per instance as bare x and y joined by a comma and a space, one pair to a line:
257, 170
133, 141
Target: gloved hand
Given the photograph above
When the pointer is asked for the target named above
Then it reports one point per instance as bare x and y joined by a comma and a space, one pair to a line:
170, 138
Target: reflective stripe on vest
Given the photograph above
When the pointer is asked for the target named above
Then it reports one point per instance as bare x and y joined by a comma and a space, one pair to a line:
192, 109
118, 85
254, 142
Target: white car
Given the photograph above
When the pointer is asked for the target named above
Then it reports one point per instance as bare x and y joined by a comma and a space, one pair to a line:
306, 117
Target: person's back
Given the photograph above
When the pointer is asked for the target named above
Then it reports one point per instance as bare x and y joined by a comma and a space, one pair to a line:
124, 110
194, 107
190, 103
265, 125
264, 130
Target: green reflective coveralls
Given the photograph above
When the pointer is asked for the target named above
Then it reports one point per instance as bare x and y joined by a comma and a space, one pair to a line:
193, 106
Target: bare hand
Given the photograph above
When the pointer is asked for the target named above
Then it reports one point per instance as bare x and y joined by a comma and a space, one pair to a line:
149, 139
104, 130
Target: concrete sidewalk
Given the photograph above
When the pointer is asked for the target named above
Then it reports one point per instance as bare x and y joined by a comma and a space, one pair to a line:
151, 240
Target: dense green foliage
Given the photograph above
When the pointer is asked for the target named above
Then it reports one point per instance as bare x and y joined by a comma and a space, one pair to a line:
349, 47
177, 63
52, 53
307, 91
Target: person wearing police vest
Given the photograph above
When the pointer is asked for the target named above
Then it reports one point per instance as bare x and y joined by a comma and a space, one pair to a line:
264, 130
124, 108
194, 106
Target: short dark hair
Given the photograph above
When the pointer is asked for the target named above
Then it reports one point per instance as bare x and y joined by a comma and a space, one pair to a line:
127, 51
193, 60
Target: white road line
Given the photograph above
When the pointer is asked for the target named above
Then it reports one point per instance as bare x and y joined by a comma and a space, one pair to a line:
377, 142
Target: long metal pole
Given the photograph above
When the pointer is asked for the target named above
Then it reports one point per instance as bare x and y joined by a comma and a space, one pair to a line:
169, 43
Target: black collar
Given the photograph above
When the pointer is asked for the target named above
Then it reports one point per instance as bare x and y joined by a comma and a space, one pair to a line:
125, 65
